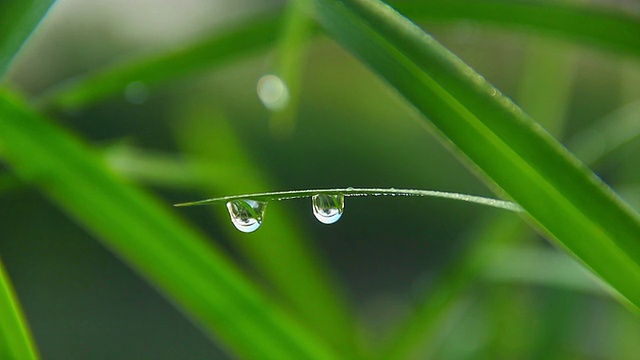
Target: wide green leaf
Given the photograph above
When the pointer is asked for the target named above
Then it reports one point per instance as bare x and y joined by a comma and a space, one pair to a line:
142, 231
559, 193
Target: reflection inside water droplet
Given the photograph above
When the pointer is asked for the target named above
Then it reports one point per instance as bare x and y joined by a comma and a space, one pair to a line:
328, 208
273, 92
246, 215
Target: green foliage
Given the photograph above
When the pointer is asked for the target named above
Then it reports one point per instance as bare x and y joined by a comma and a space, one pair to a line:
273, 294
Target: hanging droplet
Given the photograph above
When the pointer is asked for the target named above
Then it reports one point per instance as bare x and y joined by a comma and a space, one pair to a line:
246, 215
328, 208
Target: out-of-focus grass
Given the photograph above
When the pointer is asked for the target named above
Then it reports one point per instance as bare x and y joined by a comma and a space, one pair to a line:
15, 339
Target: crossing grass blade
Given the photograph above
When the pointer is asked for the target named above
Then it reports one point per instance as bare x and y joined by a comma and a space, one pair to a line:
560, 194
187, 268
15, 338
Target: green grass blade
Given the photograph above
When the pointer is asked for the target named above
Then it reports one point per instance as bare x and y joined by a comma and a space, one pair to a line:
18, 19
218, 50
562, 196
608, 29
360, 192
15, 339
176, 259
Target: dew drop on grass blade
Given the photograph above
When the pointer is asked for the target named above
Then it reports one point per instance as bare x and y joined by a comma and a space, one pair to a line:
246, 215
327, 208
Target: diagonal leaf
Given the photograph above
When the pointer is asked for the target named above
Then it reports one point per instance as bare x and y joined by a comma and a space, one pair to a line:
18, 19
560, 194
15, 339
179, 261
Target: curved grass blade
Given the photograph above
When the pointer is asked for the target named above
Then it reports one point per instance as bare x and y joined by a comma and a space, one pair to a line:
201, 280
577, 23
15, 339
218, 50
18, 19
562, 196
297, 194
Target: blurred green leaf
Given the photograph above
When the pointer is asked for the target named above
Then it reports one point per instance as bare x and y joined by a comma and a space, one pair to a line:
296, 33
608, 30
607, 135
562, 196
18, 19
178, 260
219, 49
433, 309
15, 338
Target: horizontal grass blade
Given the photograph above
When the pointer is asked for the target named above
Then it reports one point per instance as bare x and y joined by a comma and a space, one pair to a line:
15, 338
359, 192
18, 19
215, 51
613, 31
561, 195
142, 231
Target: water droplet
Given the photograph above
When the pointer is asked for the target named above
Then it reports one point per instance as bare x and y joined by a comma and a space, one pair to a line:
273, 92
136, 92
246, 215
328, 208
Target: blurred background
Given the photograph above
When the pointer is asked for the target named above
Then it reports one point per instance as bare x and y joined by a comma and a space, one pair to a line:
210, 134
